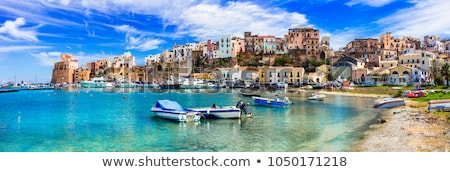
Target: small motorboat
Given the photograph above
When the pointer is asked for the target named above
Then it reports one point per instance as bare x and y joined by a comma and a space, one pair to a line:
274, 102
318, 97
415, 94
172, 110
389, 102
221, 112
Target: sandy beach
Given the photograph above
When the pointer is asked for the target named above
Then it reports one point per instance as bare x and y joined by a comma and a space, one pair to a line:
408, 128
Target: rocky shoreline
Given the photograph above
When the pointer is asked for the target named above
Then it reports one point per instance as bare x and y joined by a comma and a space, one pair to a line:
409, 128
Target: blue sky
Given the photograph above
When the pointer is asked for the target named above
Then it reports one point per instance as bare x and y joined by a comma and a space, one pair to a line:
33, 33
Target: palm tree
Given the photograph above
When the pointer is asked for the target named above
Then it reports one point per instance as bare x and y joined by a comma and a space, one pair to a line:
445, 71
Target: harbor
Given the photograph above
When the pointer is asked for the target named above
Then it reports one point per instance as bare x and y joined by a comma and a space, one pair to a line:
93, 120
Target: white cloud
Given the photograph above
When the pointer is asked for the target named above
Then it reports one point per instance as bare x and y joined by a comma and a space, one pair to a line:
207, 21
13, 30
428, 17
36, 12
89, 32
48, 58
8, 49
138, 40
64, 2
373, 3
142, 43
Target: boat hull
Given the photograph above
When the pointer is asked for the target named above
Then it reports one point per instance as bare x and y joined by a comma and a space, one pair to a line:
179, 116
390, 103
317, 97
220, 113
439, 105
270, 102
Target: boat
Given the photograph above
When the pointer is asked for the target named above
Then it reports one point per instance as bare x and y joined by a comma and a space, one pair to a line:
250, 94
389, 102
225, 112
275, 102
94, 83
8, 90
171, 110
415, 94
439, 105
318, 97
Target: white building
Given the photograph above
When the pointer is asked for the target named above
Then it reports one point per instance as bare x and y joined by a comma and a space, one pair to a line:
420, 61
225, 47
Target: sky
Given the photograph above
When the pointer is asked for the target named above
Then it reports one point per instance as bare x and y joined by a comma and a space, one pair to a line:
34, 33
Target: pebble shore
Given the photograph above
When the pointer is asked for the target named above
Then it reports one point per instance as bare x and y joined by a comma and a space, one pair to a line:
408, 128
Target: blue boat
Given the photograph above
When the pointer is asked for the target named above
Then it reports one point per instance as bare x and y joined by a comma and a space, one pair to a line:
275, 102
173, 111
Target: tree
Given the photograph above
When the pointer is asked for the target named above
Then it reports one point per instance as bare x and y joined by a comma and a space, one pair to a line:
434, 69
445, 71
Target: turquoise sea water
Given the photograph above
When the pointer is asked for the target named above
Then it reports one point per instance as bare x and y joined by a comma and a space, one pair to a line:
96, 121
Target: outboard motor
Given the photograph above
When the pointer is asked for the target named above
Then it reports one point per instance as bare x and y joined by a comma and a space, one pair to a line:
241, 105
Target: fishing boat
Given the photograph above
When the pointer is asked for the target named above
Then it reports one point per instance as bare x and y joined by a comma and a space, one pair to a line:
173, 111
389, 102
225, 112
274, 102
439, 105
318, 97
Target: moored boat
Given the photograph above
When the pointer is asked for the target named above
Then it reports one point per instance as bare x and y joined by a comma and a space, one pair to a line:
440, 105
225, 112
318, 97
173, 111
275, 102
250, 94
94, 83
8, 90
415, 94
389, 102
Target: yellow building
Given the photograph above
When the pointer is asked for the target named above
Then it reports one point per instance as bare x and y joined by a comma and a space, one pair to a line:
81, 75
138, 74
205, 76
400, 75
63, 71
272, 75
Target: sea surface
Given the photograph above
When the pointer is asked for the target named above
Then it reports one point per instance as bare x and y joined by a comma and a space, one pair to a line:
100, 120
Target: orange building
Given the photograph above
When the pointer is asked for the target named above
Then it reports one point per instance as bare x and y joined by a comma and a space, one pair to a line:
63, 71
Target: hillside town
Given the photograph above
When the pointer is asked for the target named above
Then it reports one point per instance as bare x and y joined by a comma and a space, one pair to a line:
300, 57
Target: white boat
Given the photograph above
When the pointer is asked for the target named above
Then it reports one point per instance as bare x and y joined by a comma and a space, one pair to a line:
173, 111
318, 97
438, 105
94, 83
389, 102
226, 112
